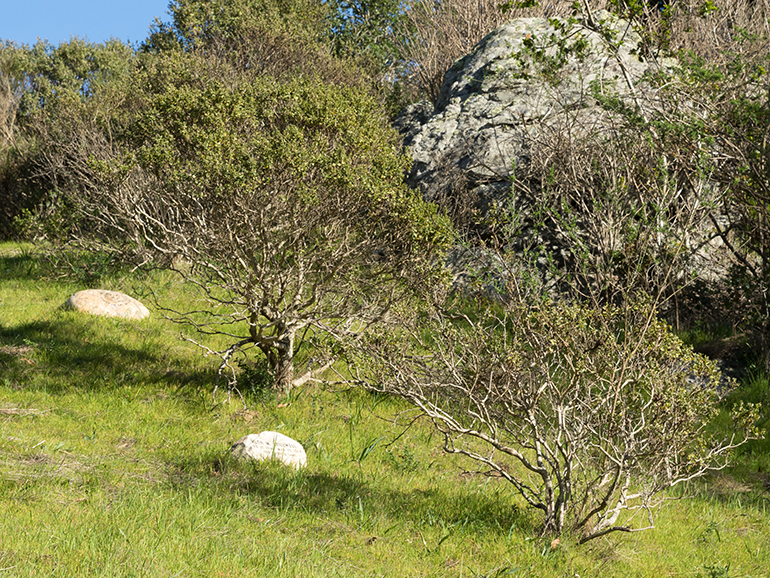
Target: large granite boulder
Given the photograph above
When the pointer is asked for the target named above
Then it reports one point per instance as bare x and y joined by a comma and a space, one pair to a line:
271, 445
107, 303
494, 101
530, 83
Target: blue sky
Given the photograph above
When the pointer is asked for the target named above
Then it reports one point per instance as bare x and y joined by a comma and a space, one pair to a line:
23, 21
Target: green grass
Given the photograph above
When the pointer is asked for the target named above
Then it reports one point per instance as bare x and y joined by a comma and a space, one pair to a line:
114, 462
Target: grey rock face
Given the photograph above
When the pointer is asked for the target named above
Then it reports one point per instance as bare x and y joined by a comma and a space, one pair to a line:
527, 82
107, 303
520, 79
271, 445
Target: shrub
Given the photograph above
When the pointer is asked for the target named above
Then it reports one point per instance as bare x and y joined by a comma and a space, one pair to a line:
591, 414
711, 121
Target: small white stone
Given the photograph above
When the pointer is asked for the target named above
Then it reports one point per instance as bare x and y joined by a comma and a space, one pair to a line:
107, 303
271, 445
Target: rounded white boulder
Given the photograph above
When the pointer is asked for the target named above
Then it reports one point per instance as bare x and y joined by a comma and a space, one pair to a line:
107, 303
271, 445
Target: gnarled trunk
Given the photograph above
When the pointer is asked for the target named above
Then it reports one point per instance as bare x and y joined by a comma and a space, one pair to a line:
280, 357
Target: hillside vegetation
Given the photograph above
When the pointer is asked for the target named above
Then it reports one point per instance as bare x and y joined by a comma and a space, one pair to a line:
238, 173
115, 462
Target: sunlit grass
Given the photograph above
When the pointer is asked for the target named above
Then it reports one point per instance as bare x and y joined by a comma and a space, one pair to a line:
114, 461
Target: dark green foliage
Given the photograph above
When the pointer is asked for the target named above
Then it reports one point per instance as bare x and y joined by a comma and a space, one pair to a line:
201, 23
365, 29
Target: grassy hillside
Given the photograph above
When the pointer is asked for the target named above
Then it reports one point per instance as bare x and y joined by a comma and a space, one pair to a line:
114, 462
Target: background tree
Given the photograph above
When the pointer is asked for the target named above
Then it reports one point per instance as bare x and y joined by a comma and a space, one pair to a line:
365, 29
197, 24
57, 98
272, 37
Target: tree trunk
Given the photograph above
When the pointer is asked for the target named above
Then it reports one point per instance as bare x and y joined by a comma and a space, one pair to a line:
284, 371
280, 357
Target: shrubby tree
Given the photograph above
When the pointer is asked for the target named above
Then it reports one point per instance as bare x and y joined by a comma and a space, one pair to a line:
235, 149
590, 413
560, 376
281, 201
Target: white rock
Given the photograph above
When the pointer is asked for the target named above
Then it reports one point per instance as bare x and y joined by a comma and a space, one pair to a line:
271, 445
107, 303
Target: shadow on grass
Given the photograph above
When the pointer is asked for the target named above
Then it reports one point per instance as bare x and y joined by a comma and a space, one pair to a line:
19, 265
88, 354
333, 495
85, 268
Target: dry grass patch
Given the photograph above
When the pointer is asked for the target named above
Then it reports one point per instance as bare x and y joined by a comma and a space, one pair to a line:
19, 411
15, 351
